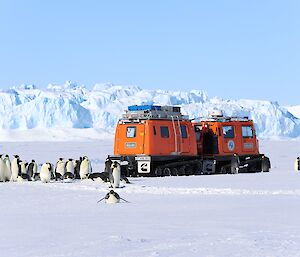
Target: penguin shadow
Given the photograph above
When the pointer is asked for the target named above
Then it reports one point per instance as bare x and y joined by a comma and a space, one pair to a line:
116, 187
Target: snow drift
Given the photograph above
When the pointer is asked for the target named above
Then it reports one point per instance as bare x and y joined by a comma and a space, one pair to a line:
74, 106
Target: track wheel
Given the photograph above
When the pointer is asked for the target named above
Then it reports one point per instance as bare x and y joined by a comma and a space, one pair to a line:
189, 170
265, 164
167, 172
174, 172
158, 172
181, 171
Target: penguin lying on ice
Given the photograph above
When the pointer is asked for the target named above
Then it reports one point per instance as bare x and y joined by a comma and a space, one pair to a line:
112, 197
102, 176
107, 175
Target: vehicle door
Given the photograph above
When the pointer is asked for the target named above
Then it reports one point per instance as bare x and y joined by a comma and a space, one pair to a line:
229, 144
248, 139
131, 139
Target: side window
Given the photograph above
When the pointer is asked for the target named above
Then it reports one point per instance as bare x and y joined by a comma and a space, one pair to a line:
247, 131
198, 133
228, 132
164, 132
183, 131
131, 132
154, 130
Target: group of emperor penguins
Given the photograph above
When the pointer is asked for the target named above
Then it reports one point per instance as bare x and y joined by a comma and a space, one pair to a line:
64, 170
17, 170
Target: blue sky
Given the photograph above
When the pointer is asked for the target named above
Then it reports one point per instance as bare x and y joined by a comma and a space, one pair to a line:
231, 49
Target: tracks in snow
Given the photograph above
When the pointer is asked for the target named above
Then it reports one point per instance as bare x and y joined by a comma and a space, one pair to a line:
157, 190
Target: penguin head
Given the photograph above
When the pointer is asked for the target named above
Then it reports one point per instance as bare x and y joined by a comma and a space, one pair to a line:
60, 159
49, 166
17, 156
115, 164
70, 159
115, 194
6, 156
33, 161
1, 155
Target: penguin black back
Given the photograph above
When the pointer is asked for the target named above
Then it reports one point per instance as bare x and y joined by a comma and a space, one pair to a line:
30, 168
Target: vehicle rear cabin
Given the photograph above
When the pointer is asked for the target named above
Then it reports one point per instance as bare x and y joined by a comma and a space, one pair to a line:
228, 144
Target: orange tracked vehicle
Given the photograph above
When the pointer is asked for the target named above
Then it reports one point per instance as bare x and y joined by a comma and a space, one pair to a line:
160, 141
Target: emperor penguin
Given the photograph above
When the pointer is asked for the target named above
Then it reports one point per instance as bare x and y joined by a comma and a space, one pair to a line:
32, 170
297, 164
22, 174
8, 168
2, 169
85, 168
77, 164
46, 171
24, 166
107, 164
115, 174
98, 176
112, 197
69, 175
15, 168
60, 168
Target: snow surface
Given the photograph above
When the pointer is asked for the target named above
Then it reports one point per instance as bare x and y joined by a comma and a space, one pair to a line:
218, 215
74, 106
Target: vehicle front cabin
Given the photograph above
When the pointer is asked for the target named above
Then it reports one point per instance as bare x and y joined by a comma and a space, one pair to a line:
138, 133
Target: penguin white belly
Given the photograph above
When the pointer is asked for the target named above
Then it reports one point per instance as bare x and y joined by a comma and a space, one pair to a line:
61, 168
45, 174
19, 179
117, 176
45, 177
14, 171
8, 170
112, 199
70, 167
35, 169
84, 169
2, 170
296, 165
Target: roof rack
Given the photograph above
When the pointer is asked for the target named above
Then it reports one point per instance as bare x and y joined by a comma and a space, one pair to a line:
222, 119
146, 112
